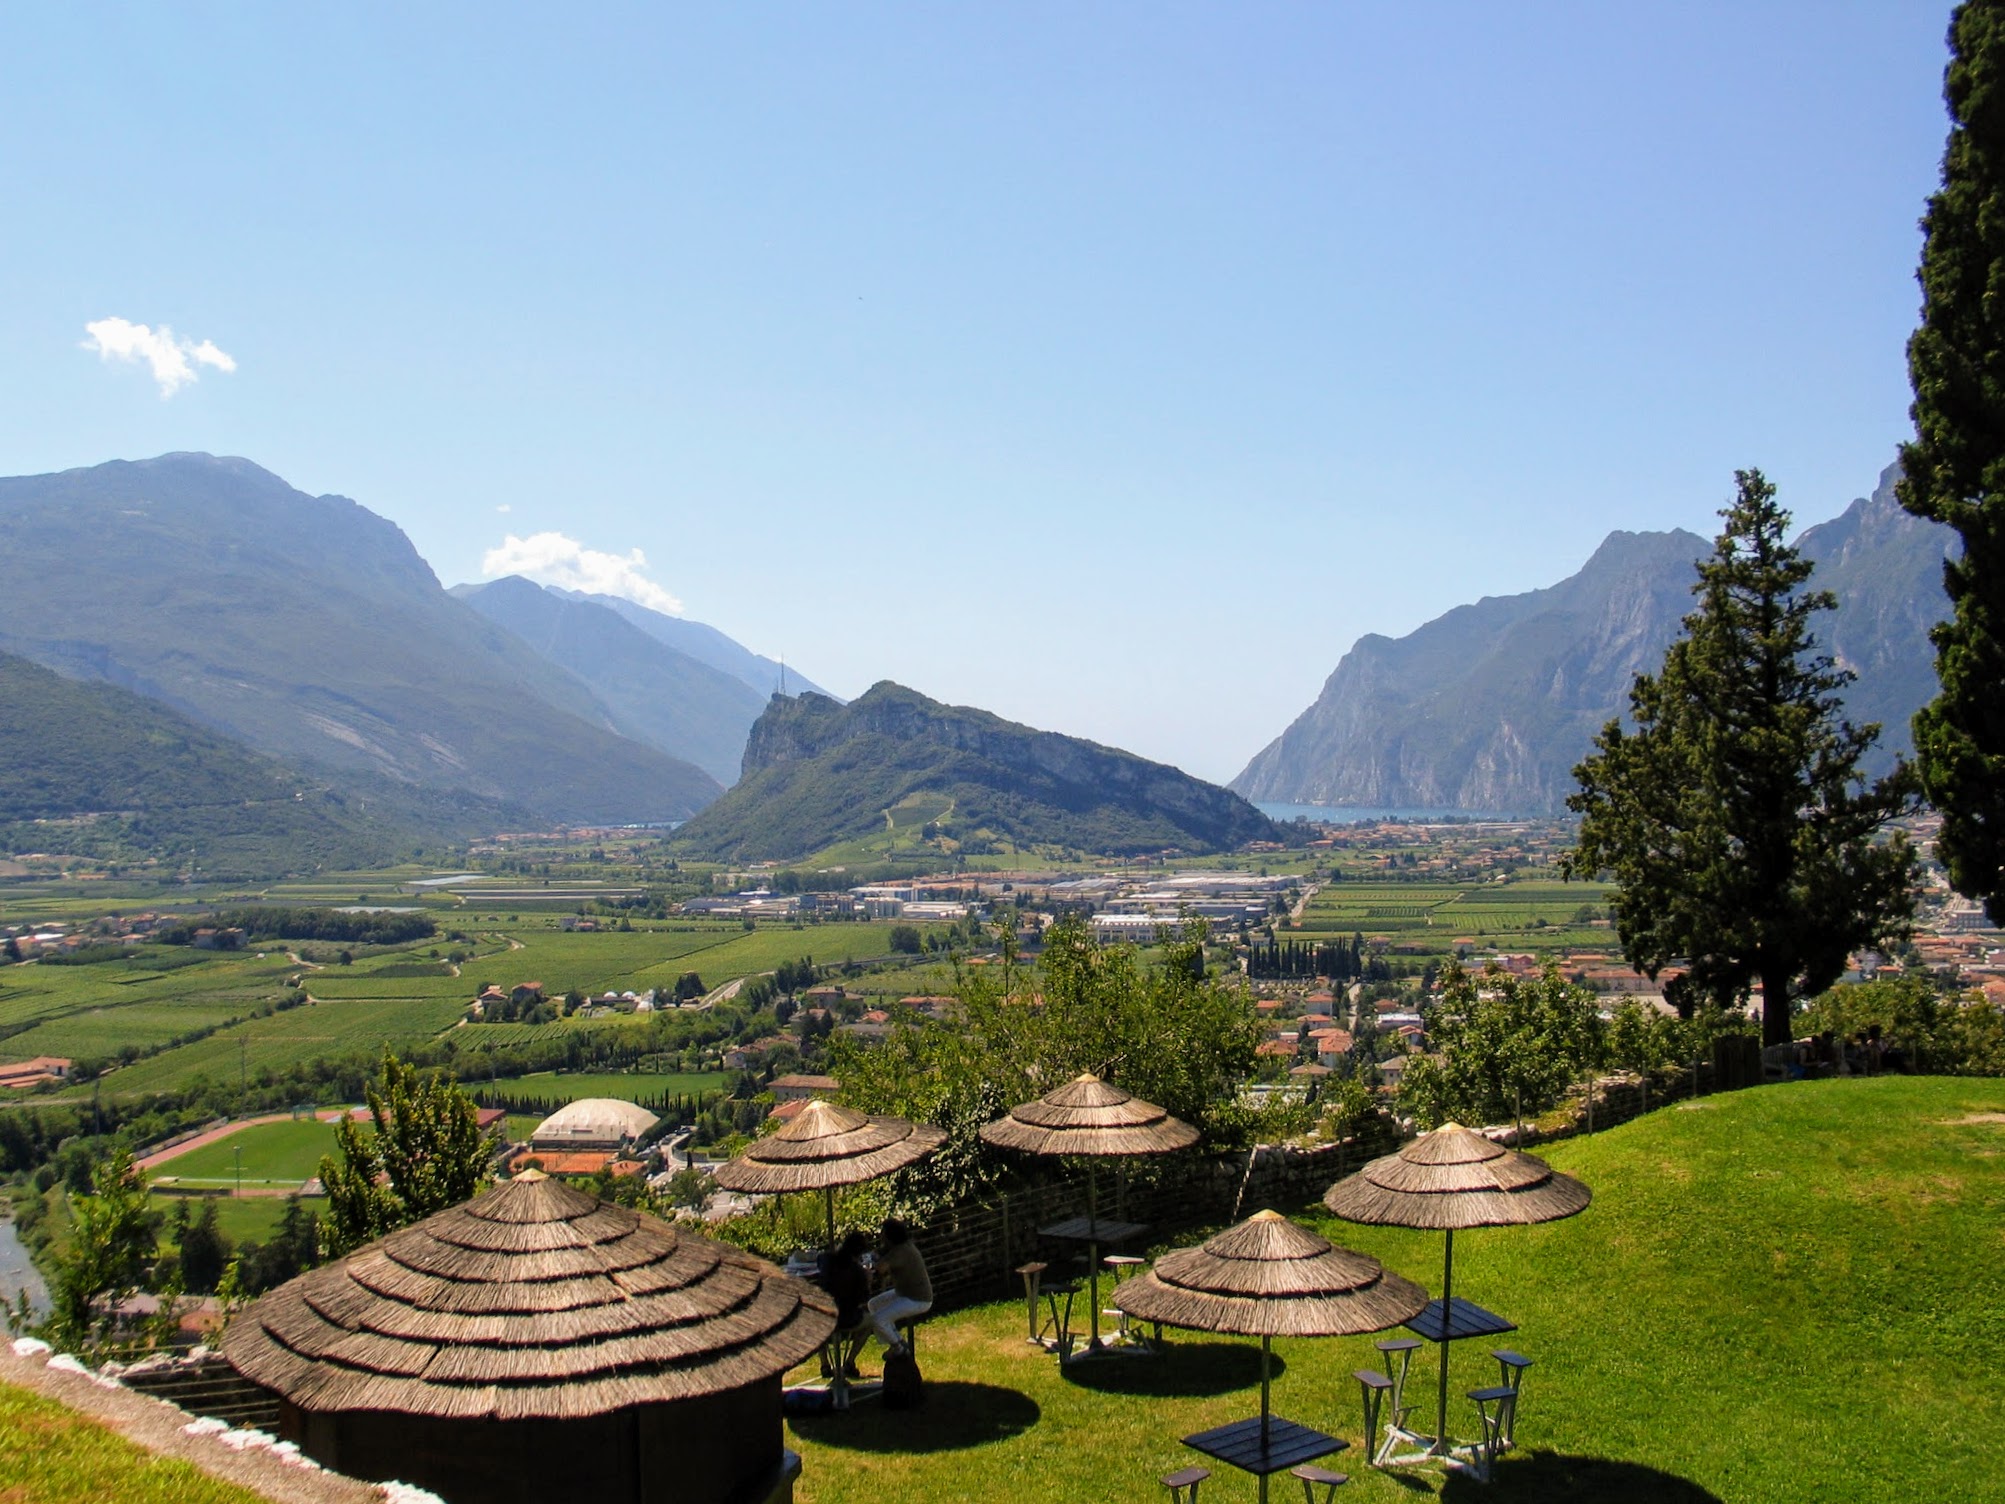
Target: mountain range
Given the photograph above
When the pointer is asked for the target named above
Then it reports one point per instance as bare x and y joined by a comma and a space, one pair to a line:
895, 771
97, 771
308, 629
1490, 706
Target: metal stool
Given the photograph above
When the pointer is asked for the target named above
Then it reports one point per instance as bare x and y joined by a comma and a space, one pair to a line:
1121, 1265
1513, 1366
1031, 1273
1314, 1477
1058, 1300
1183, 1485
1494, 1406
1375, 1388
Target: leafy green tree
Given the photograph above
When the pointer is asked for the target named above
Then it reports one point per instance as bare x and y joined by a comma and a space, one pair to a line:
1170, 1033
1740, 833
205, 1252
1954, 472
426, 1153
905, 939
1504, 1047
111, 1242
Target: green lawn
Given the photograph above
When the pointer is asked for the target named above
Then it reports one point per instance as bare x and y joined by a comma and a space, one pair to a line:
52, 1455
252, 1217
274, 1154
1782, 1294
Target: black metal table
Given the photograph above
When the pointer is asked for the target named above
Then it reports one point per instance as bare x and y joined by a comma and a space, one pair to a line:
1461, 1318
1465, 1319
1092, 1231
1264, 1447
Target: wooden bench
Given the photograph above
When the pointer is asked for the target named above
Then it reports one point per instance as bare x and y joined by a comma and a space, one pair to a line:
1183, 1485
1314, 1477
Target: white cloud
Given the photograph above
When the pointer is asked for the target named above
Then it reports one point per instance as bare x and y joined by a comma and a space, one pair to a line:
553, 559
504, 507
173, 360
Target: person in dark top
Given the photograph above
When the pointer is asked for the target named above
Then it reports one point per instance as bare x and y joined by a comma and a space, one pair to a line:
844, 1277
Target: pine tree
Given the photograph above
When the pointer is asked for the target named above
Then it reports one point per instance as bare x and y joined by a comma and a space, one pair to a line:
1954, 472
1743, 839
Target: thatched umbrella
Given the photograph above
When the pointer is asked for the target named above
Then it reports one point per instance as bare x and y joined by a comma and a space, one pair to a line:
1089, 1118
1268, 1278
825, 1147
1451, 1179
533, 1303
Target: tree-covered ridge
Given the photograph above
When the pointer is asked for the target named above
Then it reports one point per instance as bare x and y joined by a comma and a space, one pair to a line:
818, 773
95, 770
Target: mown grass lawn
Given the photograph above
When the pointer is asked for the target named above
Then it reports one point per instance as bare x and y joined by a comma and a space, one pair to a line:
51, 1455
1790, 1293
273, 1154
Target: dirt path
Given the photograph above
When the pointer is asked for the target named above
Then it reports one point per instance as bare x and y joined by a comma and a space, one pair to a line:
156, 1425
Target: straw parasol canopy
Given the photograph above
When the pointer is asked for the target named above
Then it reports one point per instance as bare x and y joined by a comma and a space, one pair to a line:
827, 1147
1091, 1118
1448, 1181
1269, 1278
1453, 1179
1087, 1116
532, 1301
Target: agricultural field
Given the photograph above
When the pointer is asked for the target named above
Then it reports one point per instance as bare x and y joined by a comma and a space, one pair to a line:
387, 997
144, 1000
630, 1086
1533, 915
328, 1028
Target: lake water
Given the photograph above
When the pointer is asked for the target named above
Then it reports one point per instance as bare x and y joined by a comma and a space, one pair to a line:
16, 1272
1358, 814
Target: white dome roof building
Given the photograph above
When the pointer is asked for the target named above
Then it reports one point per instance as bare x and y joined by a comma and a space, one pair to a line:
593, 1123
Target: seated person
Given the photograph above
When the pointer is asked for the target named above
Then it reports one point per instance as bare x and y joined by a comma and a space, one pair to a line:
911, 1292
844, 1276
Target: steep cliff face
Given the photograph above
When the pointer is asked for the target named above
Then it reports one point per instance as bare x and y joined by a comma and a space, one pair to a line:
817, 773
1490, 706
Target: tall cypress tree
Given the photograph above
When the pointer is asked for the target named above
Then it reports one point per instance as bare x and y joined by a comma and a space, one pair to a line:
1742, 838
1954, 472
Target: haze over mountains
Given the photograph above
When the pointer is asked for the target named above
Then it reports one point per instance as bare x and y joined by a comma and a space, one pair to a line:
309, 629
1490, 706
297, 649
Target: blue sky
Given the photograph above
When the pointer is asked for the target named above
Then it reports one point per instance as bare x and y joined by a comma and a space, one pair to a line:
1111, 367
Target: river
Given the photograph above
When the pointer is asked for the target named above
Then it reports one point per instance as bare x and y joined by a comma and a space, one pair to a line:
16, 1272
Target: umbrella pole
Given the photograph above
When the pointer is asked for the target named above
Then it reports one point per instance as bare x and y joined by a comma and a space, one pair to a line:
1093, 1249
1441, 1444
828, 1195
1266, 1349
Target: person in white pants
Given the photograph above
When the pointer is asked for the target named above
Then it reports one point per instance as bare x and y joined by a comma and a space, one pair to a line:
911, 1291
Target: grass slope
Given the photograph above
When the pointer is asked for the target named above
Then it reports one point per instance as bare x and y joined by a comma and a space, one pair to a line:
1782, 1294
52, 1455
